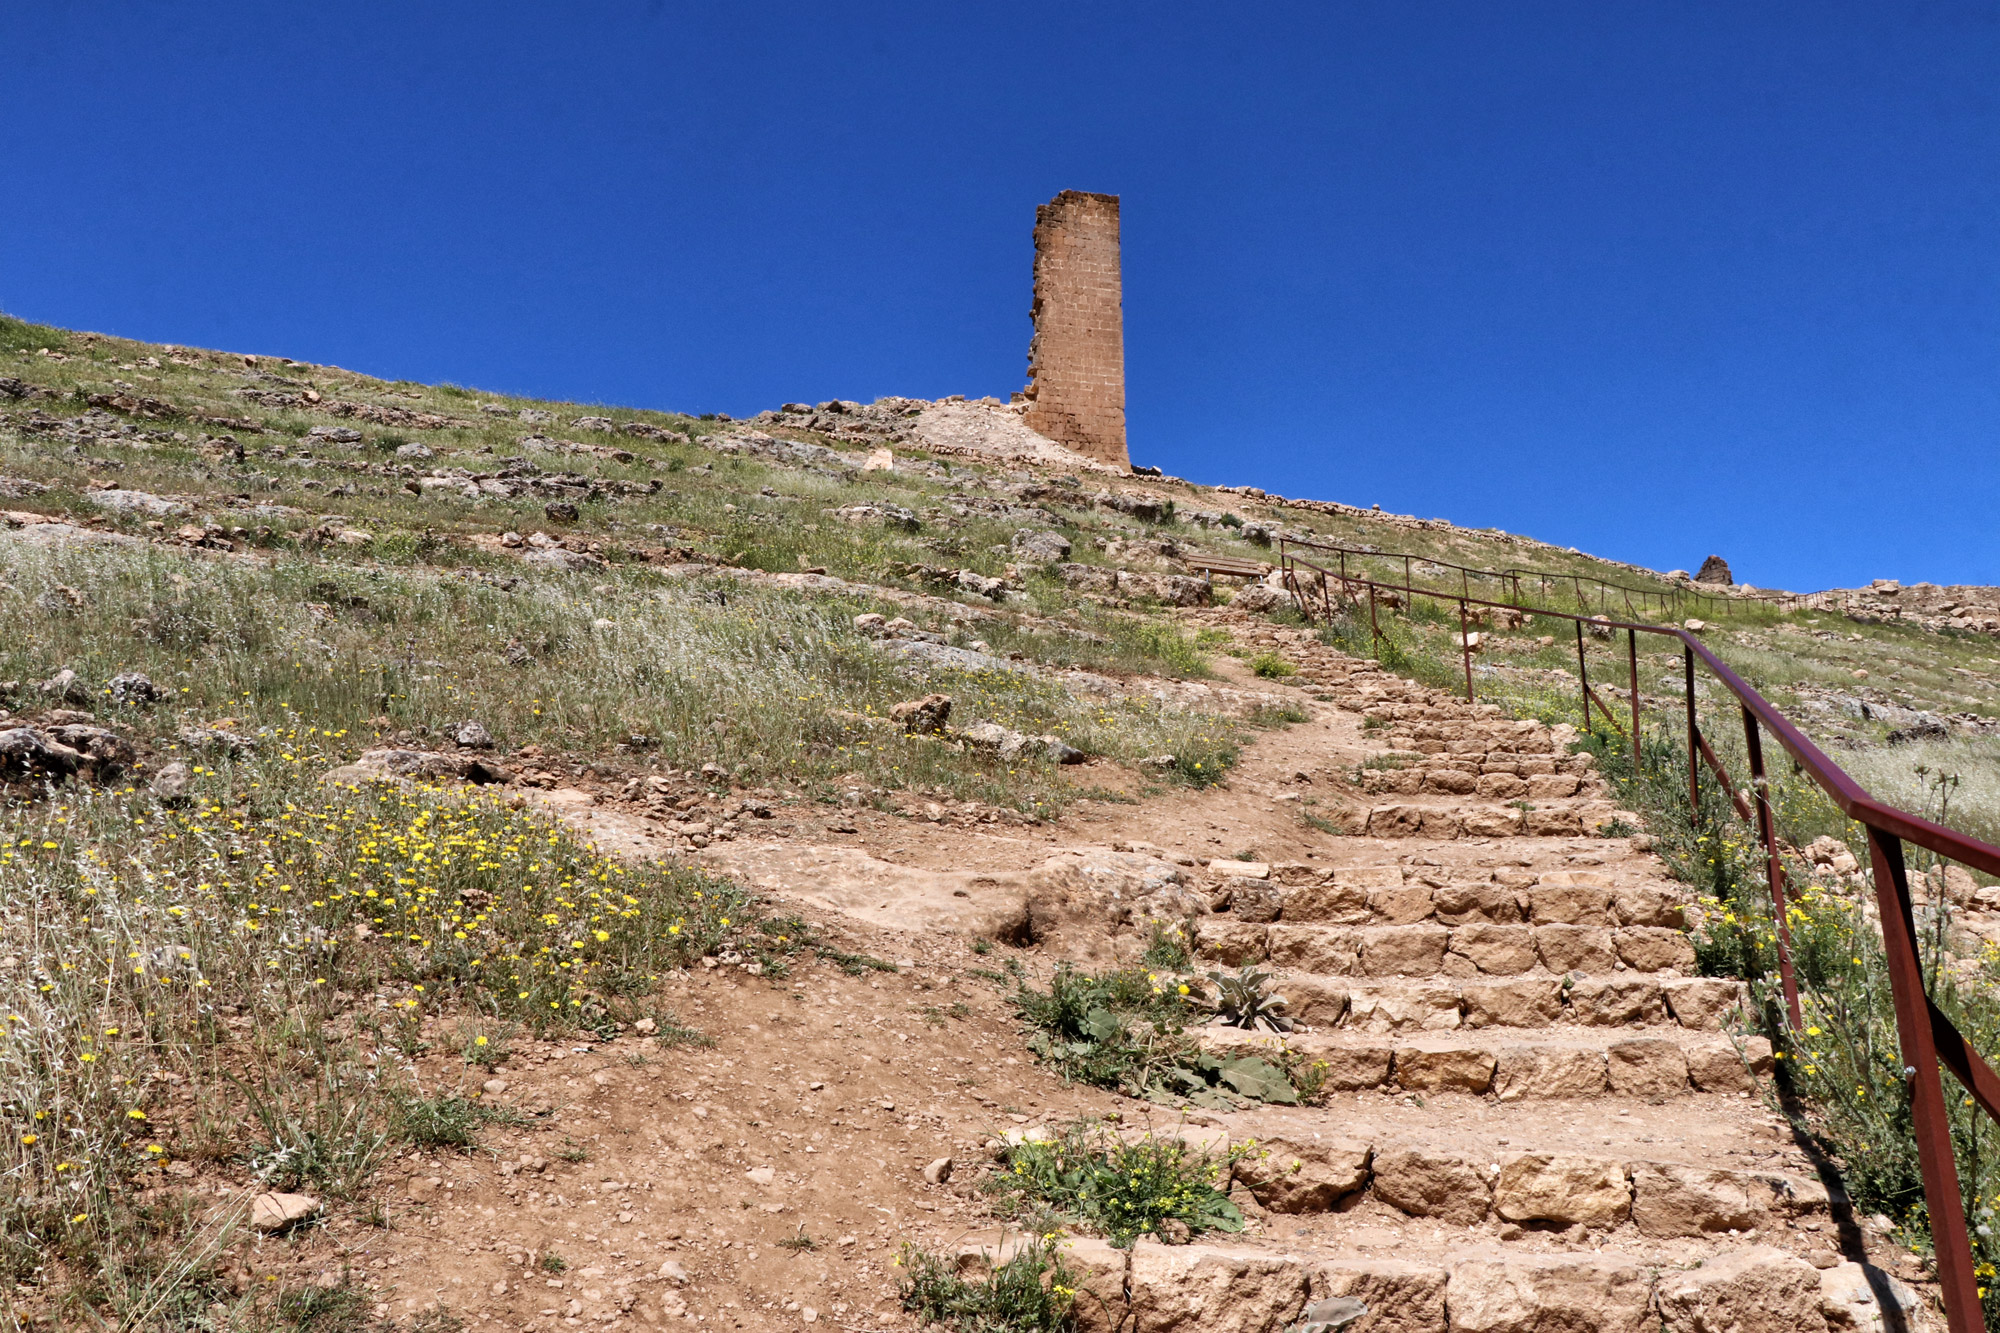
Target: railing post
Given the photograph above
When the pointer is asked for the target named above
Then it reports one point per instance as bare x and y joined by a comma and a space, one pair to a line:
1694, 746
1632, 657
1760, 789
1465, 647
1374, 628
1957, 1280
1582, 674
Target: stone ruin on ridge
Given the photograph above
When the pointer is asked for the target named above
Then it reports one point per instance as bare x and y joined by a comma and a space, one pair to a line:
1076, 360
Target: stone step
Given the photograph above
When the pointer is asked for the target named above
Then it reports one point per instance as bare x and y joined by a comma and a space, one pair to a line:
1427, 949
1210, 1287
1511, 1065
1395, 895
1443, 1004
1466, 1180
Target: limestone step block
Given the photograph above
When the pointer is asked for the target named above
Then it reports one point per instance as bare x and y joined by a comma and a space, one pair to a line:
1534, 1293
1496, 950
1463, 904
1564, 1188
1578, 948
1229, 940
1399, 1297
1653, 948
1300, 1175
1444, 1068
1571, 898
1649, 1068
1327, 950
1419, 1006
1402, 951
1615, 1001
1520, 1002
1757, 1289
1676, 1199
1539, 1071
1450, 1187
1705, 1002
1208, 1288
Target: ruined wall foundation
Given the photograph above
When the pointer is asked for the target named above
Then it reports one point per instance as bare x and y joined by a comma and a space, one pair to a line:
1076, 360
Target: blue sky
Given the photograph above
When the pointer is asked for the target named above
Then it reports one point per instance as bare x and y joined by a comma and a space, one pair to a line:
1652, 280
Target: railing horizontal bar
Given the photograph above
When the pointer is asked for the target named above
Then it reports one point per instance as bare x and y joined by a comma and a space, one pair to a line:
1965, 1063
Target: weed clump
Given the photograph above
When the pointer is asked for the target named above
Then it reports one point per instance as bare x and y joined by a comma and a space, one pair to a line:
1122, 1189
1127, 1030
1034, 1291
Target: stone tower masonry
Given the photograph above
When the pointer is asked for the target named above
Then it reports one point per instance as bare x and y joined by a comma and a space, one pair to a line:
1076, 360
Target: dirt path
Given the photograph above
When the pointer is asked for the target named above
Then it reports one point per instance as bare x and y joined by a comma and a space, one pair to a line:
1537, 1118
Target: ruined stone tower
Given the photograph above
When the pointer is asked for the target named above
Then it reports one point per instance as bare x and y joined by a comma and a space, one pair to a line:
1076, 360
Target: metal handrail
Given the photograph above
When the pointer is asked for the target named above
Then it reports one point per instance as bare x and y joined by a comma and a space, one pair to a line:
1513, 576
1927, 1036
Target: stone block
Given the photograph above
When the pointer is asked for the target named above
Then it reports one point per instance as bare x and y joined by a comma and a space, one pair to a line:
1754, 1290
1232, 942
1560, 901
1616, 1001
1653, 948
1464, 904
1501, 787
1311, 998
1402, 951
1672, 1199
1550, 1294
1554, 822
1458, 1069
1524, 1002
1427, 1183
1442, 823
1212, 1289
1719, 1067
1704, 1002
1526, 1072
1399, 1297
1416, 1008
1333, 903
1289, 1175
1502, 951
1647, 1067
1564, 1188
1552, 786
1395, 821
1575, 949
1328, 950
1649, 905
1450, 781
1354, 1068
1403, 905
1491, 823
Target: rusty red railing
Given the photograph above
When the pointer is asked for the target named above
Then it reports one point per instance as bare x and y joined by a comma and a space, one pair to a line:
1927, 1036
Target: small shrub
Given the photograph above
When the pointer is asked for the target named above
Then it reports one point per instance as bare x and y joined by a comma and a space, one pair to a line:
553, 1262
1166, 948
1122, 1190
1033, 1292
444, 1122
1272, 667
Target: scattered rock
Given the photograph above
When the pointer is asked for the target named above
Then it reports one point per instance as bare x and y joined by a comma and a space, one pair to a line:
134, 687
939, 1171
473, 736
275, 1212
922, 716
169, 786
66, 687
1040, 545
560, 511
137, 502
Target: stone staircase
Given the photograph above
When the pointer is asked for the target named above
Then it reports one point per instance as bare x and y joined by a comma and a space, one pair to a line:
1539, 1118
